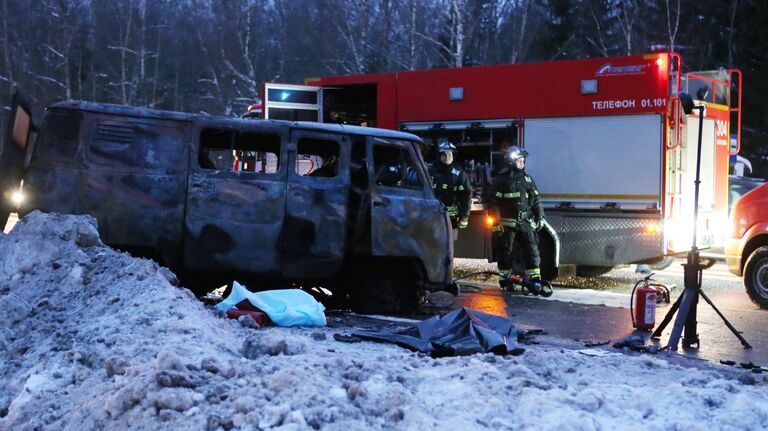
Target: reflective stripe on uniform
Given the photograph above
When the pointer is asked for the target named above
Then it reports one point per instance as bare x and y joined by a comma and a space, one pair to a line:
534, 273
512, 222
444, 186
505, 273
499, 194
511, 195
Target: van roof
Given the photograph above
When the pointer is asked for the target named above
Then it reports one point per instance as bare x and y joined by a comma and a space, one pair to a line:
133, 111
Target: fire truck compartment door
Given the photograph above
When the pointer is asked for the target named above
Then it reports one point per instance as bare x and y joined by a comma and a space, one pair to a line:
594, 162
293, 102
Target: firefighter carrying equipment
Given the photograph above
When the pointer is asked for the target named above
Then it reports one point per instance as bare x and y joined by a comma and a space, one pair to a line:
452, 187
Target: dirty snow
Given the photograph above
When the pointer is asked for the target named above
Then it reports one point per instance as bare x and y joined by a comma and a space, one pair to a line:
91, 339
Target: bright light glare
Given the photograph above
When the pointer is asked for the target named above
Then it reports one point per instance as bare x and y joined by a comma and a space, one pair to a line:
490, 221
652, 228
17, 197
284, 95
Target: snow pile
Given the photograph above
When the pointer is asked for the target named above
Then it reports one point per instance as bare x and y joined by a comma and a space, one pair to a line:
91, 338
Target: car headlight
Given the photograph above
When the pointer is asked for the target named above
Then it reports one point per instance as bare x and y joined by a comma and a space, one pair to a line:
17, 198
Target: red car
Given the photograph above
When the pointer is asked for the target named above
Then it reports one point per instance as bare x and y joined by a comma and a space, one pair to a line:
746, 249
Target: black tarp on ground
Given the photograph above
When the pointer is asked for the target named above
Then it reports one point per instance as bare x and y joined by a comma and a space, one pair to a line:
461, 332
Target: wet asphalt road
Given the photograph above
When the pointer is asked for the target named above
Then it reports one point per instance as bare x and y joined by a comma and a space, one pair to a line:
574, 312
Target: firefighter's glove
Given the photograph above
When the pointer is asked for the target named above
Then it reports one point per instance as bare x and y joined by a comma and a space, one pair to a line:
497, 229
463, 223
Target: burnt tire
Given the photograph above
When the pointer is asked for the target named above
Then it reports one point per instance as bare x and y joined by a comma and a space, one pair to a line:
382, 288
756, 277
592, 271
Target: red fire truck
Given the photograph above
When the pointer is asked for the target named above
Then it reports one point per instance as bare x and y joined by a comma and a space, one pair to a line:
610, 149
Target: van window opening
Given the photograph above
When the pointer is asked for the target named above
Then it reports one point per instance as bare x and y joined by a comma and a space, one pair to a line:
317, 158
394, 167
239, 151
59, 137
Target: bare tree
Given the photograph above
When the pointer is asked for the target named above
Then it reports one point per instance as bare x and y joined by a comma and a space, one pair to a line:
672, 28
627, 12
732, 30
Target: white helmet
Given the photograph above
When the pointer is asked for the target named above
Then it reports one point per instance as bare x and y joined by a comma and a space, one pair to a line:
446, 146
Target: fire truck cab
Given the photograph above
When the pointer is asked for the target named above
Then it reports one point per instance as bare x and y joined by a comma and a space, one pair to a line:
610, 148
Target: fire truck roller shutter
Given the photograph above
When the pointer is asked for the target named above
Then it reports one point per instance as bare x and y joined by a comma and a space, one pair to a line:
598, 166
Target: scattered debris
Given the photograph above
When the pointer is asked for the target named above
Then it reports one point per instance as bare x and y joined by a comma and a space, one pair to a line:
595, 343
636, 343
595, 352
441, 299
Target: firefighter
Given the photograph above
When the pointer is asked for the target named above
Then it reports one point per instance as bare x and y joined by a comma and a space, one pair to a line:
514, 202
452, 187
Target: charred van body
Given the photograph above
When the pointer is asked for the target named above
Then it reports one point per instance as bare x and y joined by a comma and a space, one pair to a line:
278, 202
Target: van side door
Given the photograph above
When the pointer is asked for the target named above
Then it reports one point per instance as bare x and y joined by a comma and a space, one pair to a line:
406, 219
236, 198
314, 235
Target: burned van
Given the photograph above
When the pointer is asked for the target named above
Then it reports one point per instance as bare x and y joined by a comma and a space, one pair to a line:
273, 202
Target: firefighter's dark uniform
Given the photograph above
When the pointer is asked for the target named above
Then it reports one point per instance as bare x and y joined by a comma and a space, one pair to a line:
452, 187
514, 201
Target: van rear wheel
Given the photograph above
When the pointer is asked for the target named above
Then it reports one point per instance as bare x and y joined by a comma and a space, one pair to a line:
756, 277
382, 288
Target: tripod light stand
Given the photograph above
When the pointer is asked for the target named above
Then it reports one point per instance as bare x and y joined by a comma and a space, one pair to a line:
686, 304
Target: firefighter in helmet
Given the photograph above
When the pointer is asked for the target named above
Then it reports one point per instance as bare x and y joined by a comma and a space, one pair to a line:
452, 187
515, 204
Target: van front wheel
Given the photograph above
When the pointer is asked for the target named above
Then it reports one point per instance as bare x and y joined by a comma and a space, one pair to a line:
382, 288
756, 277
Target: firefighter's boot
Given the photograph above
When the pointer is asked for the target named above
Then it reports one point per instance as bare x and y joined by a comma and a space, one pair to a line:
533, 281
505, 280
536, 285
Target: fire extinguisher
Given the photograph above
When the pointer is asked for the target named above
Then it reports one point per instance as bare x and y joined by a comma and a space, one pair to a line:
643, 311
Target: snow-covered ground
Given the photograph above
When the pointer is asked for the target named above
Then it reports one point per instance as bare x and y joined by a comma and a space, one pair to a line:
92, 339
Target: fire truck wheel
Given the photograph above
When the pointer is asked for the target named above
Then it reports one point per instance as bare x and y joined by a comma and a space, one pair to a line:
592, 271
662, 264
756, 277
382, 288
